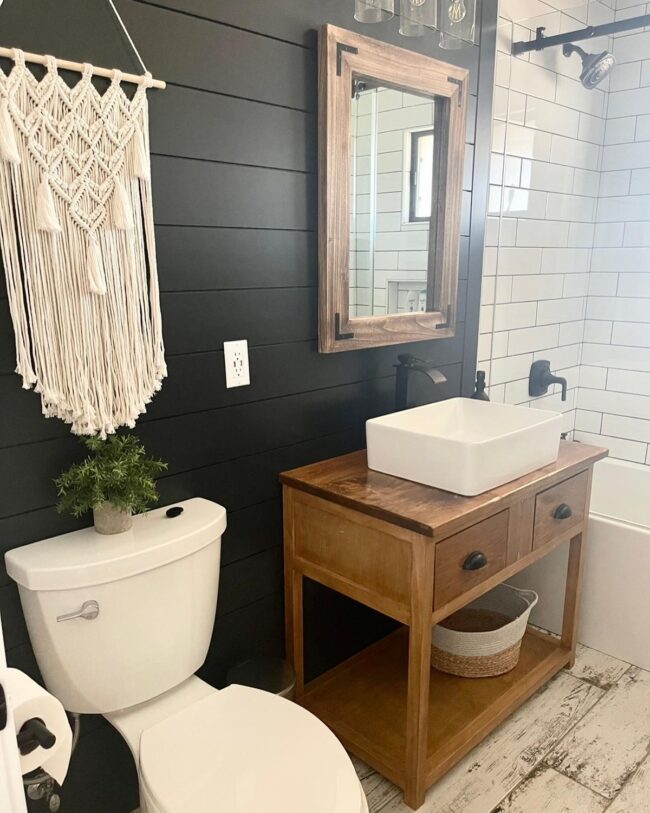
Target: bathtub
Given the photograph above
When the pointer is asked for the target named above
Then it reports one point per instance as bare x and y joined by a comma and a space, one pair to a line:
615, 605
615, 610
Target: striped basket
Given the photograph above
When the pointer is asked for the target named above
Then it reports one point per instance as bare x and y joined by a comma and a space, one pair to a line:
484, 638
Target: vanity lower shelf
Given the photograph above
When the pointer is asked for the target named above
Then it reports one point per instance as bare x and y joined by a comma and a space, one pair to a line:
363, 700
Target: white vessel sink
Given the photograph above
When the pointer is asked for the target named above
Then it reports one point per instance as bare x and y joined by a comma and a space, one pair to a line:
463, 446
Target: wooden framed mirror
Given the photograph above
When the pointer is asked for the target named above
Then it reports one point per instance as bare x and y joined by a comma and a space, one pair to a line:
391, 149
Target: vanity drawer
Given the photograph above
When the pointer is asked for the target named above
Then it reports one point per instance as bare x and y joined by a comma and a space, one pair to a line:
456, 572
560, 508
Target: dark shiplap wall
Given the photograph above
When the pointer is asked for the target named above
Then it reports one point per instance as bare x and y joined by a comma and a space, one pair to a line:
234, 174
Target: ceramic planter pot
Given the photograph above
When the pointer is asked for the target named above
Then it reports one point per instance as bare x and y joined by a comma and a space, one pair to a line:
109, 519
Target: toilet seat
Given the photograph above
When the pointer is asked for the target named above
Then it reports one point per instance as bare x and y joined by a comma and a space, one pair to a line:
242, 750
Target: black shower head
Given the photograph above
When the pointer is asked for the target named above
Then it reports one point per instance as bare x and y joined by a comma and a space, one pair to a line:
595, 67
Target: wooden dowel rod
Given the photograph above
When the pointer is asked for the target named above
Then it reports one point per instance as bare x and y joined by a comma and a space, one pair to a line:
40, 59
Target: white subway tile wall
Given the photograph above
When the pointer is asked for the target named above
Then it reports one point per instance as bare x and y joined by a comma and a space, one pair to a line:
385, 248
618, 306
568, 237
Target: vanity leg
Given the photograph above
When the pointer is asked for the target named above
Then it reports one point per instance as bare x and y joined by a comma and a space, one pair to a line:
572, 597
419, 673
293, 609
294, 630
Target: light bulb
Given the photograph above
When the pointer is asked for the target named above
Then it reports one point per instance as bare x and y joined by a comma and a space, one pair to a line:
457, 11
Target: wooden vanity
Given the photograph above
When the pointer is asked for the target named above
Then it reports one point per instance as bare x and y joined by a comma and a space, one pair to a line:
399, 547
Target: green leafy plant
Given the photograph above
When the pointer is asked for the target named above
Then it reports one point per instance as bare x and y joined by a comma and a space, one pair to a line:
117, 471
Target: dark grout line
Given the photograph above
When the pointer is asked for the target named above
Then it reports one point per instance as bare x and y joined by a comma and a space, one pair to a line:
196, 16
308, 172
345, 430
645, 762
230, 227
242, 98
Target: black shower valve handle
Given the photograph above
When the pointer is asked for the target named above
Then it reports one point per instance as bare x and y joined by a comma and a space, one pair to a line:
541, 378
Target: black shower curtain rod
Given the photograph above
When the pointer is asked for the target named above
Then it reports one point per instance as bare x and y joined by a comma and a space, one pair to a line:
540, 42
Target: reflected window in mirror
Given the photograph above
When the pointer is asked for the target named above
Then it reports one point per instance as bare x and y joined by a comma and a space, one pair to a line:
419, 191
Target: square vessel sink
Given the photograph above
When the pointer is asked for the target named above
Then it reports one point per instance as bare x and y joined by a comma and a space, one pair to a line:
462, 445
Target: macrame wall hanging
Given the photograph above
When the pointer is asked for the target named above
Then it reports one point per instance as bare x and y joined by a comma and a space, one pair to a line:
76, 226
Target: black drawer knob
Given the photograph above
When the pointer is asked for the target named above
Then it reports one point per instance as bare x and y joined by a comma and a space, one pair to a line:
563, 511
475, 561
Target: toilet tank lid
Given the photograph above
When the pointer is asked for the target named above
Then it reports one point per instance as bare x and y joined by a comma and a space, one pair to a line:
84, 558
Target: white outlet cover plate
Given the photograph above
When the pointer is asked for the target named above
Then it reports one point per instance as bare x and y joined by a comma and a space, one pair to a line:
236, 361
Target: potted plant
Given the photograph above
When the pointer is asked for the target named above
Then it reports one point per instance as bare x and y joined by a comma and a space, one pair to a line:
116, 480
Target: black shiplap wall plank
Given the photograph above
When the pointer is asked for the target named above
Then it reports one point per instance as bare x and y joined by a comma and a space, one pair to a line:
200, 439
196, 383
70, 32
187, 441
196, 322
263, 621
29, 471
248, 580
234, 177
7, 341
22, 657
202, 193
254, 478
329, 636
193, 124
283, 19
252, 530
202, 54
208, 259
13, 623
22, 419
280, 369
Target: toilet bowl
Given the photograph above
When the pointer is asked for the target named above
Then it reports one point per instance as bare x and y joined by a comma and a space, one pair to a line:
277, 756
196, 748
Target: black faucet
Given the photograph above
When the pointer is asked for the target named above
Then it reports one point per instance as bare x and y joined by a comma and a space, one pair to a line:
408, 364
541, 379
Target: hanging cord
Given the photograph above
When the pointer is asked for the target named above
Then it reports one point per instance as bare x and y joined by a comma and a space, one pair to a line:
128, 36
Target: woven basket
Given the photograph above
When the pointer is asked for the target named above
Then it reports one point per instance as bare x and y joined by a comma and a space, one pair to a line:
484, 638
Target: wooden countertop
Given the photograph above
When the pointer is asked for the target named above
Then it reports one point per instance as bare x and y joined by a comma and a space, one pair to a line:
348, 481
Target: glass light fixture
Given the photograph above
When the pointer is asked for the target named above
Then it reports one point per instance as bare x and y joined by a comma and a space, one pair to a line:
458, 24
373, 11
417, 17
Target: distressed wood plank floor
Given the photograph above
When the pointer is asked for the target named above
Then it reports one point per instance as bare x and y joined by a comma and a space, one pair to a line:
496, 766
636, 793
608, 745
580, 745
547, 791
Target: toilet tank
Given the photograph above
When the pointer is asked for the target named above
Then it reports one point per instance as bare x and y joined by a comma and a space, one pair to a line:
156, 589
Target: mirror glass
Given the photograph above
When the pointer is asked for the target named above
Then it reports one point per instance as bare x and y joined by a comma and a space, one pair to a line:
393, 176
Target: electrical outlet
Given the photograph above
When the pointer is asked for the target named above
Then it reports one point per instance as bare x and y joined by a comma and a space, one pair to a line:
236, 360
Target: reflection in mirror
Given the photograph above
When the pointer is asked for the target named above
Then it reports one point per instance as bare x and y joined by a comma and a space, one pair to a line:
393, 176
392, 126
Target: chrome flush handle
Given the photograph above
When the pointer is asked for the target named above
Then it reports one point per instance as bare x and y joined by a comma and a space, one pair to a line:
89, 612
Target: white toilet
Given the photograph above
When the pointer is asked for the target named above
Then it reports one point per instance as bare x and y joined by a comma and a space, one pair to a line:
119, 624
